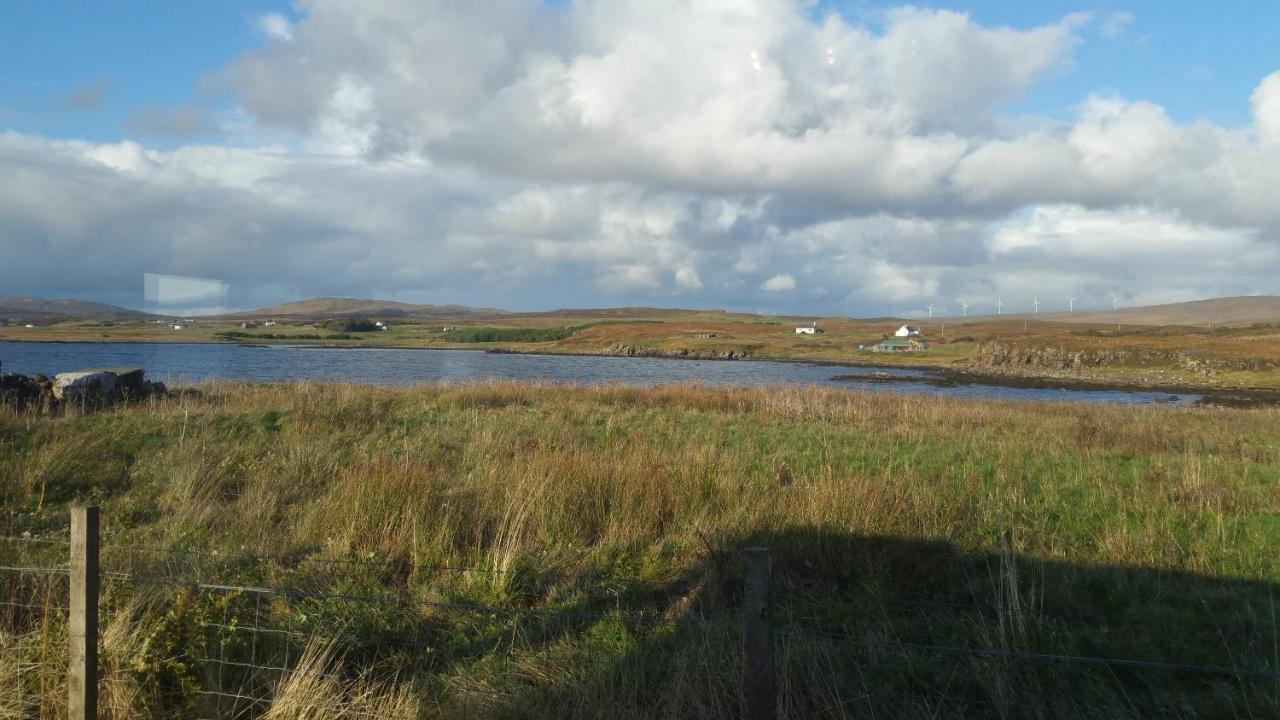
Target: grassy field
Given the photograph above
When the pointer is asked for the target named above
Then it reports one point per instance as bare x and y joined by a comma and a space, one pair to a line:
606, 523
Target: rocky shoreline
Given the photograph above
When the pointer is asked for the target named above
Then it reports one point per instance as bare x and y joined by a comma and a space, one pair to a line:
949, 377
81, 388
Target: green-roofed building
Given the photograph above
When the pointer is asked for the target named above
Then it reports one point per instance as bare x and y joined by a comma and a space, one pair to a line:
899, 344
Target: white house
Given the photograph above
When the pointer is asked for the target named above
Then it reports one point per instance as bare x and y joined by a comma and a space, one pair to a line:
810, 329
907, 331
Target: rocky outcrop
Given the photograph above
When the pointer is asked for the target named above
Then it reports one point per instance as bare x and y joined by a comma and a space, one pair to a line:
81, 388
624, 350
23, 391
1002, 356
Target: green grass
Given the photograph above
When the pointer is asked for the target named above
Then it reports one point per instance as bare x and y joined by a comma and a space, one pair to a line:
526, 334
1103, 531
517, 335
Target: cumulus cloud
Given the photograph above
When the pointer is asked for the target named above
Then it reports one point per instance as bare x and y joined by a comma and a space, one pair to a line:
276, 27
779, 283
510, 152
1266, 109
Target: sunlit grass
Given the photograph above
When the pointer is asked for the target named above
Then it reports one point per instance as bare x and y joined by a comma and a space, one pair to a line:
1163, 517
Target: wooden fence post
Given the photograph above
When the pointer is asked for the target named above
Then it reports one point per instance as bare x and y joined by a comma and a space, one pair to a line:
82, 674
758, 679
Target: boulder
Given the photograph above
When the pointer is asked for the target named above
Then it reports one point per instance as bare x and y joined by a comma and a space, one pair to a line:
131, 382
84, 384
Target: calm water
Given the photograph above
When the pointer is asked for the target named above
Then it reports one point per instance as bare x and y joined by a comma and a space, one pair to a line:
196, 362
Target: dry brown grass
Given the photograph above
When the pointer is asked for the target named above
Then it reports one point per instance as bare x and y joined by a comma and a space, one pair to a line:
566, 493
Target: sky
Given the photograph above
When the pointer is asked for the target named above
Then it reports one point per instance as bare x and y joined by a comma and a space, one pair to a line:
815, 158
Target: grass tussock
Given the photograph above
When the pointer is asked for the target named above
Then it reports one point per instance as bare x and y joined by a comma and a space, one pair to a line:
1070, 529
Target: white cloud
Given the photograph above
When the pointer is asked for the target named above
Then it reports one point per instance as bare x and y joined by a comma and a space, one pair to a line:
276, 27
779, 283
687, 277
1115, 24
1266, 109
505, 152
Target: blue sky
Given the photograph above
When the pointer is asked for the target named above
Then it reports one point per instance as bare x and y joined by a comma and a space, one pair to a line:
1199, 61
141, 54
744, 155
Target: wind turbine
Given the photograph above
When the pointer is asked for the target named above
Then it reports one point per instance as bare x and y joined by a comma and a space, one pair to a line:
930, 310
999, 306
1036, 304
1071, 303
964, 308
1115, 301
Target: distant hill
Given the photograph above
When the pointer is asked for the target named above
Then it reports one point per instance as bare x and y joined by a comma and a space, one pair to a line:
34, 309
1218, 311
328, 307
622, 312
1229, 311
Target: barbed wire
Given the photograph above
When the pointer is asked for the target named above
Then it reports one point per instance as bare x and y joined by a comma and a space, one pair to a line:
895, 608
33, 540
35, 570
268, 668
297, 595
1265, 673
300, 559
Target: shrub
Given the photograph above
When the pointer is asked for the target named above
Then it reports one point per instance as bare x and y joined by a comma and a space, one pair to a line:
347, 325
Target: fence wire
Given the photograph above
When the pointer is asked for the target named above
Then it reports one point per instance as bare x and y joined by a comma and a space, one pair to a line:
325, 650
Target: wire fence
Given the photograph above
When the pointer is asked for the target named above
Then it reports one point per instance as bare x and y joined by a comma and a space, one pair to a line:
231, 635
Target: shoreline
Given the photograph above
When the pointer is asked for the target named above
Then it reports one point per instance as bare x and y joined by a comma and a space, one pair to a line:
936, 374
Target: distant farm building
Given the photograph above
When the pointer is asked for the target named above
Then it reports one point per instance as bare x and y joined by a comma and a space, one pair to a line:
907, 331
810, 329
248, 325
897, 344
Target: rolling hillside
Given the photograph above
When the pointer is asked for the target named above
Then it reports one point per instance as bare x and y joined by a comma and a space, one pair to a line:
35, 309
344, 307
1231, 311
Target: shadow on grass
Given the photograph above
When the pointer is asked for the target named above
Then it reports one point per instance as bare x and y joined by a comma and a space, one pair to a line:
882, 627
872, 627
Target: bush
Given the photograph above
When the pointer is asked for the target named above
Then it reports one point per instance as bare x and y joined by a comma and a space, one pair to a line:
491, 334
347, 325
236, 335
494, 334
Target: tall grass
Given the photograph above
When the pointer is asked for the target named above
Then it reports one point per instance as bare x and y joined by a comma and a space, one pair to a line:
1136, 532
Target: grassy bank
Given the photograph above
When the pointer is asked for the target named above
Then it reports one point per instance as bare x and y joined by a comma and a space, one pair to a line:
615, 515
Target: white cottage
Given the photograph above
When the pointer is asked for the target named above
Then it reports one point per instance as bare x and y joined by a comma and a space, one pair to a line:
810, 329
907, 331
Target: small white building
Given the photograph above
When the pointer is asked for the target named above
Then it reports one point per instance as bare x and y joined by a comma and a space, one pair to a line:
177, 327
907, 331
810, 329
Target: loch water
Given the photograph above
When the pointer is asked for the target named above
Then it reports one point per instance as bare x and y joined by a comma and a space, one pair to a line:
193, 363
